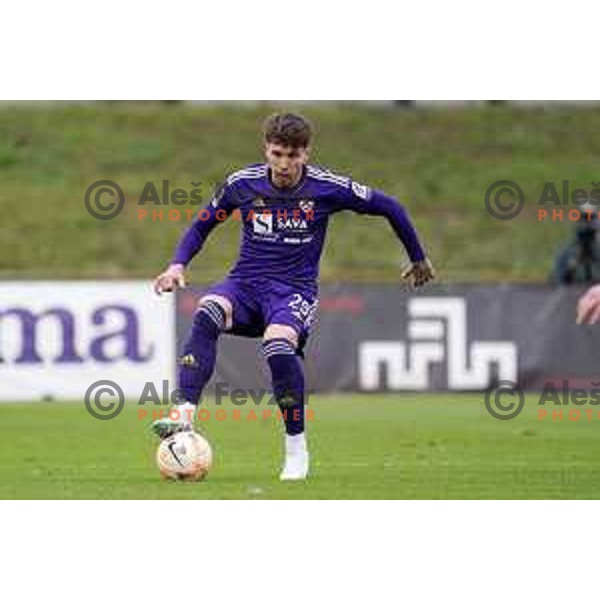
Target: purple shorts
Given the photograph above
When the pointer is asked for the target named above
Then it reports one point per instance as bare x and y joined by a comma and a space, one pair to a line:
262, 302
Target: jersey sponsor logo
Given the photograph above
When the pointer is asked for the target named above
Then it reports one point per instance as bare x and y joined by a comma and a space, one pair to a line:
288, 224
268, 223
298, 239
262, 223
361, 191
437, 333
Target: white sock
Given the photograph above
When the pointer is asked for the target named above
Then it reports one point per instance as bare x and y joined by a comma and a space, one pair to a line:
187, 412
295, 444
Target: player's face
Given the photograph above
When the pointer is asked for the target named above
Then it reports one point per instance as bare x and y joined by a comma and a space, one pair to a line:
285, 163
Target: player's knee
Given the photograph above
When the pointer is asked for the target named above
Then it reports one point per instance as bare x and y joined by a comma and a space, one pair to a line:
224, 303
273, 332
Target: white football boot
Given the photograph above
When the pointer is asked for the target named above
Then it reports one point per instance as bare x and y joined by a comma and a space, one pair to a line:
295, 467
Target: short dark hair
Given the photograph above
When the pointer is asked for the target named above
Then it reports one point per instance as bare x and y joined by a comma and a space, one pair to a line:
288, 129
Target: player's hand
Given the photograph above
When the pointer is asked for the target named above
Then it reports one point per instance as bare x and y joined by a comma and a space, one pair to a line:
170, 280
419, 273
588, 307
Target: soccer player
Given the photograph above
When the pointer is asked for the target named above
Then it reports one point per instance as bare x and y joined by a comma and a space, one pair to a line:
285, 205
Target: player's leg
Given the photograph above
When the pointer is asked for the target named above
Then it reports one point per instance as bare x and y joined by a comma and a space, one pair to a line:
280, 344
289, 312
199, 356
197, 361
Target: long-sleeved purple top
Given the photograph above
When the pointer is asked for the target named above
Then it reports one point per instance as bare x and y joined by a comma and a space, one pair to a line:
284, 229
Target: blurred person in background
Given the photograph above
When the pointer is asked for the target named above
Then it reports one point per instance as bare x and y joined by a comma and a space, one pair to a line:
579, 261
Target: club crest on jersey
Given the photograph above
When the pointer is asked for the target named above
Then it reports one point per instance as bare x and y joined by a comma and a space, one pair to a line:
306, 205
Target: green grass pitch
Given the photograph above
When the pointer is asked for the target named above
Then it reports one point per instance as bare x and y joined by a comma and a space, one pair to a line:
362, 446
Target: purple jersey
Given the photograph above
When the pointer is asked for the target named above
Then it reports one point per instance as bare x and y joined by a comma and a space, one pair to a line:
284, 229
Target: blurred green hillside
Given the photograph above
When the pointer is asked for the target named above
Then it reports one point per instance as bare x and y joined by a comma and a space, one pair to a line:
439, 163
